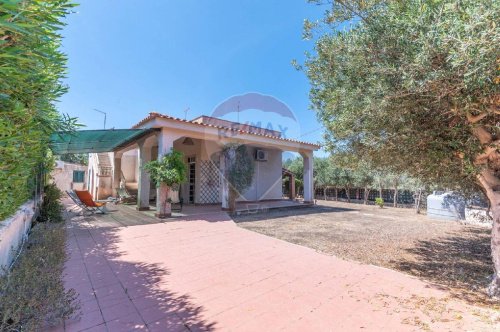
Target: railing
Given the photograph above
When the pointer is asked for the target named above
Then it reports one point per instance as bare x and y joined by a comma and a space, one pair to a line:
123, 181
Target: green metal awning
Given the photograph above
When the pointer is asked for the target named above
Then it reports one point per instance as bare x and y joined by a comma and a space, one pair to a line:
95, 141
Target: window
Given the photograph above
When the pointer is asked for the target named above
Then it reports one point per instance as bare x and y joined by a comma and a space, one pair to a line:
78, 176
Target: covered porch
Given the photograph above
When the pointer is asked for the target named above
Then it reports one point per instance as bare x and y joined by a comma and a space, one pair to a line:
122, 215
242, 208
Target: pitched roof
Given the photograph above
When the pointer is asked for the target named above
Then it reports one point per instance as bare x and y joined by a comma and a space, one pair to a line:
154, 115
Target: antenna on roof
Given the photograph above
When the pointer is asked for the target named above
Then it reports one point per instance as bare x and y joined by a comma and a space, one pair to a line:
104, 116
186, 112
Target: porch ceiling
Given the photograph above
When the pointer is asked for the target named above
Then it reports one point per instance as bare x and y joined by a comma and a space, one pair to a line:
95, 141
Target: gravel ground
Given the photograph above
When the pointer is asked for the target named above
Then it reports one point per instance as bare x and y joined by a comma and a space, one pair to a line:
448, 253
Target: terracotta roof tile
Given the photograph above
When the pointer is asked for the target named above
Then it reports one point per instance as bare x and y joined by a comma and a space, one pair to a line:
154, 115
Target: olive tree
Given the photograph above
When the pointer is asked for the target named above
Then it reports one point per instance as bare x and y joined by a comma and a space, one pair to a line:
326, 174
296, 166
239, 170
413, 86
365, 179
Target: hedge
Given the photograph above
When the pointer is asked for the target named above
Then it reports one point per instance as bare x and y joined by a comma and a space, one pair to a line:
31, 70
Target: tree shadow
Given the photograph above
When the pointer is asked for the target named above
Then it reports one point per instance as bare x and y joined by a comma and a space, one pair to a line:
117, 278
460, 262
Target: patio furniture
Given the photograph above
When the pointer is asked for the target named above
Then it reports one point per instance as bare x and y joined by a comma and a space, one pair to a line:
91, 205
77, 201
125, 197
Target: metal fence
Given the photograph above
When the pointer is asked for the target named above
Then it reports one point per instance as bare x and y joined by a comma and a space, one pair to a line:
405, 198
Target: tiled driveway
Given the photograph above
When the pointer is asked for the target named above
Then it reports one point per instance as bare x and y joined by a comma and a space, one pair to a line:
208, 274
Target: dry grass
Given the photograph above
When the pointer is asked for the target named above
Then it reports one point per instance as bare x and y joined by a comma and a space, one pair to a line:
32, 294
448, 253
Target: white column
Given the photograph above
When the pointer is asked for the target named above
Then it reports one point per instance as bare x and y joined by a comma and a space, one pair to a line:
143, 182
117, 171
165, 145
308, 176
224, 183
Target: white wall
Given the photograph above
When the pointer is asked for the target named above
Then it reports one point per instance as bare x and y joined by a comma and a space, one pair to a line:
12, 231
62, 176
129, 166
93, 179
267, 179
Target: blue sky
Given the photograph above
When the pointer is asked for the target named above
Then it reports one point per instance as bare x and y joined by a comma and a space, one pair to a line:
129, 58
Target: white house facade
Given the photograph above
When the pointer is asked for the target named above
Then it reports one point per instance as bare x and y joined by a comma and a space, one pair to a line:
201, 141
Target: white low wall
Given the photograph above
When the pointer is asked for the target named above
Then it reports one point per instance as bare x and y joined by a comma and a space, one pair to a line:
12, 231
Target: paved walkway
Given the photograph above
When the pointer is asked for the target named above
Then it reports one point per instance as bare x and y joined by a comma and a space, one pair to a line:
208, 274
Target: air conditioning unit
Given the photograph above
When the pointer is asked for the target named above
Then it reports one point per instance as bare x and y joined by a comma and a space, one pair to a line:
261, 155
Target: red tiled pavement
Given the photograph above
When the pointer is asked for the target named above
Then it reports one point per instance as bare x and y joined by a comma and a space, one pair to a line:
208, 274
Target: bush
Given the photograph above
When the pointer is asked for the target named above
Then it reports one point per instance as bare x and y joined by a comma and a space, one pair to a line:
379, 201
169, 170
51, 205
32, 295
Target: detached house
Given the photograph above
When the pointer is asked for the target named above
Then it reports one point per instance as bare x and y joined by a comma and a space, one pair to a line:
201, 141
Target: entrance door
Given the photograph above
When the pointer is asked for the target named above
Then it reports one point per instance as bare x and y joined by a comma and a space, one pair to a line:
191, 178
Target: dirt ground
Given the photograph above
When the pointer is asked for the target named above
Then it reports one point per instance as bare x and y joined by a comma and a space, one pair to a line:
447, 253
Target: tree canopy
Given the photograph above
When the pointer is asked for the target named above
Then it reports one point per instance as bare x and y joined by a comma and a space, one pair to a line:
413, 87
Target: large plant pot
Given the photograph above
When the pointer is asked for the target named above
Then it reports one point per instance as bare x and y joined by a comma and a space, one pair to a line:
163, 207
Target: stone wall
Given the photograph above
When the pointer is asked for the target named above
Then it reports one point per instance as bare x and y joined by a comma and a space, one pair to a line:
62, 176
12, 232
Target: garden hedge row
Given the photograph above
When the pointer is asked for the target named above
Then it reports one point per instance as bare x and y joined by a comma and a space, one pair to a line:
31, 70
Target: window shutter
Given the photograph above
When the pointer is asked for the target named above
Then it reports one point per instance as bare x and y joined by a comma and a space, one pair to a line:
78, 176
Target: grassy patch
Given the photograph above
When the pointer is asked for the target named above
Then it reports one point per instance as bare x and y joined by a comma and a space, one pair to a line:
454, 256
32, 295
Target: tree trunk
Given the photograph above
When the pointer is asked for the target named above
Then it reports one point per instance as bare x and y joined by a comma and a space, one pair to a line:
233, 194
366, 195
395, 197
489, 180
491, 185
347, 194
324, 192
336, 194
417, 201
494, 289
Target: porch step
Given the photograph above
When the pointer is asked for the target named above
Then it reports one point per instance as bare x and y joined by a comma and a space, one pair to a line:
253, 208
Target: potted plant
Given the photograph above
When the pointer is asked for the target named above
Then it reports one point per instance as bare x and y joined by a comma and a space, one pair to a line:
167, 173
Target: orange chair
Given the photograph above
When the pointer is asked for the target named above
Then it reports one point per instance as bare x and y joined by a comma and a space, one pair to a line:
90, 204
